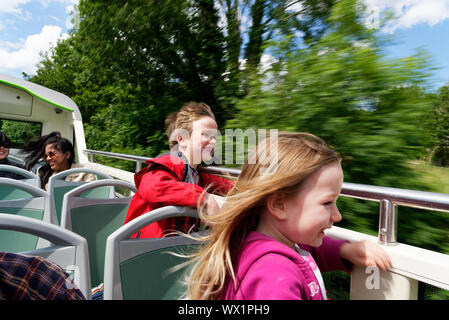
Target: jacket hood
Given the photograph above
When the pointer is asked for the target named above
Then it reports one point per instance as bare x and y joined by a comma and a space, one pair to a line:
170, 162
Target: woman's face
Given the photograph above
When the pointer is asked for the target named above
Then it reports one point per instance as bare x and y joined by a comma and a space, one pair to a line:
57, 160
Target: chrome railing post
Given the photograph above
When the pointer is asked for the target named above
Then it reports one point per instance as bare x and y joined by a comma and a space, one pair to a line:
138, 166
388, 218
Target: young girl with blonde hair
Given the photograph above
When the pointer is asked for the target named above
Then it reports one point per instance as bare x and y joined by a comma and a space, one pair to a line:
268, 240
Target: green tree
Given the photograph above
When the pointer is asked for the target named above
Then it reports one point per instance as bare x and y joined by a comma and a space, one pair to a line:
342, 88
154, 57
438, 126
267, 19
130, 63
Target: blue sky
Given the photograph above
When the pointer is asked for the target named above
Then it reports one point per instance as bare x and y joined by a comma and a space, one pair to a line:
435, 40
28, 27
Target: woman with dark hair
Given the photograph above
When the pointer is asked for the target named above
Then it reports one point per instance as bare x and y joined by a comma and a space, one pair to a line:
59, 155
5, 145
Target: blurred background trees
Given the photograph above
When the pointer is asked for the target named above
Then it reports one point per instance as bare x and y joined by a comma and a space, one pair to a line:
438, 128
305, 65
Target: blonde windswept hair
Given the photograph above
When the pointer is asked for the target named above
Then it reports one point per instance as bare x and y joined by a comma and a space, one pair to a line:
298, 156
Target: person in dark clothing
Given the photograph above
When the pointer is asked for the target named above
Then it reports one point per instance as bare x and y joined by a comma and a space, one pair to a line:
5, 145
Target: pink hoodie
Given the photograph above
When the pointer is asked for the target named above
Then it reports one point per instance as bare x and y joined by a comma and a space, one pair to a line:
269, 270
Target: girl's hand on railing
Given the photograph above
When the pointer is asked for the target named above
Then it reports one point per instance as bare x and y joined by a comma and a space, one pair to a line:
365, 253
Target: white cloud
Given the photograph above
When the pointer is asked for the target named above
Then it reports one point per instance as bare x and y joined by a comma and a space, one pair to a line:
409, 13
12, 6
25, 54
72, 19
46, 3
15, 6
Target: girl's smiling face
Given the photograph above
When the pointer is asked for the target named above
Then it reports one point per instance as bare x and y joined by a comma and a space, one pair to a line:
314, 207
303, 217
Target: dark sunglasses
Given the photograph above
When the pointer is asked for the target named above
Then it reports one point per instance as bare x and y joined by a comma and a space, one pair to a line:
51, 154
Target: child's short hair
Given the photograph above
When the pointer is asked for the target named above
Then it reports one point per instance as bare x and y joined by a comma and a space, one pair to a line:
183, 119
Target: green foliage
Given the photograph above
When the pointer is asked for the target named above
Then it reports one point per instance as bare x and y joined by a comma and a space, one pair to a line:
438, 126
368, 108
154, 57
20, 132
131, 63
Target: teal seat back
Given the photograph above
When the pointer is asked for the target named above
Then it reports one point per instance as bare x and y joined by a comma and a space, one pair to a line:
151, 275
148, 268
58, 187
95, 219
11, 241
12, 193
95, 223
65, 248
27, 201
59, 192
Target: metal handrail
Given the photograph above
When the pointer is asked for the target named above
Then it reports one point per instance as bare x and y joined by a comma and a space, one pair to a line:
389, 198
138, 159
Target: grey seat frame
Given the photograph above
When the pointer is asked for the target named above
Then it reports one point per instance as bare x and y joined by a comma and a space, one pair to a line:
30, 177
68, 249
119, 246
39, 199
16, 158
72, 198
58, 180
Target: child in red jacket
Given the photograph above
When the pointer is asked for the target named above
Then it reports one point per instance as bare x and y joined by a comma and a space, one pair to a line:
173, 179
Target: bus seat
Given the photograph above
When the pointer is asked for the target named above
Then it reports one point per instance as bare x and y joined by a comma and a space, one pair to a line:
68, 249
13, 193
95, 219
139, 269
34, 203
58, 187
16, 158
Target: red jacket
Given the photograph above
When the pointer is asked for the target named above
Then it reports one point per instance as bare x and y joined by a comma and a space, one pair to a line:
161, 184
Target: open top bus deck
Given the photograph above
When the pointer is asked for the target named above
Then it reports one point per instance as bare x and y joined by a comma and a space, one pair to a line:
41, 110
